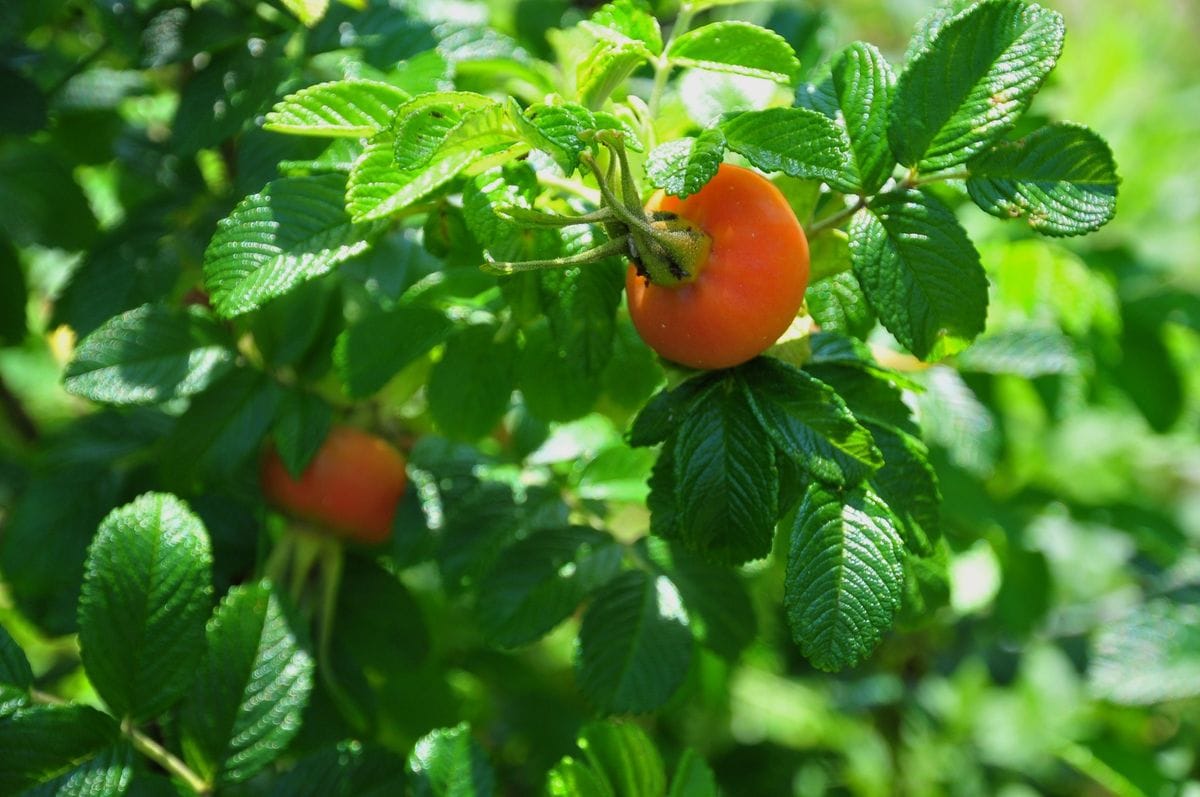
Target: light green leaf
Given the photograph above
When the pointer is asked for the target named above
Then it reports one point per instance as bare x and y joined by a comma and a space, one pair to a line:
603, 69
953, 417
725, 476
976, 76
309, 12
555, 130
693, 777
626, 23
683, 166
856, 95
295, 230
617, 474
537, 582
795, 141
571, 778
251, 687
1150, 656
625, 758
838, 305
373, 350
845, 576
341, 108
634, 644
1061, 179
422, 125
809, 422
448, 762
1027, 352
148, 356
147, 592
738, 47
920, 273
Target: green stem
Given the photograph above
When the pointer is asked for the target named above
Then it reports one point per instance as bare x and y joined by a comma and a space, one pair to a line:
836, 219
616, 246
589, 195
164, 758
539, 219
662, 64
940, 177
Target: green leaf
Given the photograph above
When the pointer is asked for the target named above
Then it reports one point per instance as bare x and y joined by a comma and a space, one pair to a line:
373, 350
553, 383
309, 12
537, 582
470, 387
976, 76
1150, 656
149, 355
838, 305
856, 95
634, 644
571, 778
341, 108
603, 69
795, 141
626, 23
920, 273
14, 667
300, 428
379, 625
927, 587
251, 687
295, 230
555, 130
625, 759
683, 166
1061, 179
737, 47
661, 416
725, 475
41, 743
448, 762
957, 420
13, 296
1025, 352
109, 773
226, 424
423, 124
693, 777
346, 769
809, 422
617, 474
716, 600
147, 592
222, 98
845, 576
908, 484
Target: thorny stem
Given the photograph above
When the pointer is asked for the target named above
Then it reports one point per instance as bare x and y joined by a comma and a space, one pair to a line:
144, 745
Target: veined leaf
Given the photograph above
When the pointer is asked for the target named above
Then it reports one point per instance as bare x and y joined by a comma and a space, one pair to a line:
295, 230
469, 388
625, 759
683, 166
341, 108
422, 124
626, 23
42, 743
976, 76
845, 575
605, 67
555, 129
795, 141
856, 95
725, 475
920, 272
738, 47
809, 422
251, 687
1061, 179
448, 762
147, 591
634, 644
370, 352
1025, 352
148, 356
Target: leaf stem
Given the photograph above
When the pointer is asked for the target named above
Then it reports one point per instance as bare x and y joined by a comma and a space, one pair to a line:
164, 758
589, 195
836, 219
662, 64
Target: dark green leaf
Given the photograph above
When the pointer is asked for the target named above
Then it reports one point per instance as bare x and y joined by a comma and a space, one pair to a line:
149, 356
738, 47
845, 576
837, 304
920, 273
625, 759
109, 773
470, 387
634, 644
295, 230
379, 624
220, 99
13, 296
809, 422
908, 484
373, 350
226, 424
539, 581
683, 166
725, 476
14, 667
856, 96
975, 77
795, 141
300, 428
1061, 179
448, 762
41, 743
147, 592
693, 777
251, 687
347, 769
